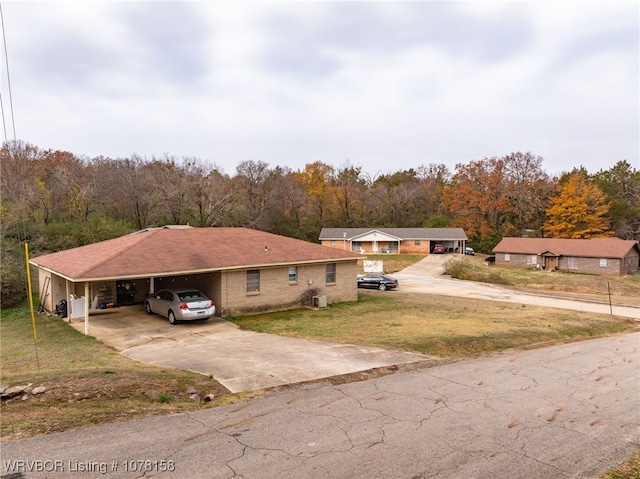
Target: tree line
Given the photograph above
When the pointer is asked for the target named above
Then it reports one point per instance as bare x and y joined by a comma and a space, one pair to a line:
57, 200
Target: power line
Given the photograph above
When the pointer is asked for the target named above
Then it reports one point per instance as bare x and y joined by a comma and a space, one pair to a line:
6, 61
4, 123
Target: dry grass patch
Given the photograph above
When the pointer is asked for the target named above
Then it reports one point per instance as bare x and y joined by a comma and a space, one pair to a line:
437, 325
625, 290
391, 262
629, 469
86, 382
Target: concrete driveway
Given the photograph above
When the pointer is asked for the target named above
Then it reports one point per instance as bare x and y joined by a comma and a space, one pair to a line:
426, 276
239, 360
244, 361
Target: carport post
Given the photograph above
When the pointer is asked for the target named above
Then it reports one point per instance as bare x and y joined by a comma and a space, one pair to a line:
87, 291
67, 299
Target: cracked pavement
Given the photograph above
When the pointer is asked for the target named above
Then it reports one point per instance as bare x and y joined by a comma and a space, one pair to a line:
567, 411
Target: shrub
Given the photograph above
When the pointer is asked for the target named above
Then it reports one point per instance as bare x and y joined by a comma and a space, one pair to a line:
13, 276
461, 269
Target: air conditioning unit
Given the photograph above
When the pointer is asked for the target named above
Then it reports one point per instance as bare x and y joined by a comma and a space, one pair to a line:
320, 301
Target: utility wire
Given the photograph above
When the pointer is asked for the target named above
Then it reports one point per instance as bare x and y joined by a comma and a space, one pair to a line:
4, 123
6, 61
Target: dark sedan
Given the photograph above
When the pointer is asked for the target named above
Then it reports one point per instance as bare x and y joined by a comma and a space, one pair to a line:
378, 281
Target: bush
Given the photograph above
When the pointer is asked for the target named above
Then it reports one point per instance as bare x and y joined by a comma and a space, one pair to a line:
461, 269
13, 275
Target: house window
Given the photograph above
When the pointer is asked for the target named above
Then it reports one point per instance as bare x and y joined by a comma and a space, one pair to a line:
334, 242
572, 262
507, 256
253, 281
603, 262
331, 273
532, 259
416, 242
356, 245
293, 274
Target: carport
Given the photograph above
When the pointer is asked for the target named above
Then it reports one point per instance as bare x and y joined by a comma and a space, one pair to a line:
219, 261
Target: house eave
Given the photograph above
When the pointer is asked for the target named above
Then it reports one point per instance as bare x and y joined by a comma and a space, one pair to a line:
161, 274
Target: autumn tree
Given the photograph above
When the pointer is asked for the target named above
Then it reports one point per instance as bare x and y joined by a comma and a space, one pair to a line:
433, 178
212, 197
529, 190
348, 188
127, 189
477, 199
317, 180
19, 168
578, 211
397, 200
250, 192
287, 209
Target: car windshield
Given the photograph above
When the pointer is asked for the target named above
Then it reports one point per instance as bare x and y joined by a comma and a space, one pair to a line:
191, 296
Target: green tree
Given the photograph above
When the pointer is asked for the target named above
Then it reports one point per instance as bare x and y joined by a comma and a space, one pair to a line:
578, 211
621, 185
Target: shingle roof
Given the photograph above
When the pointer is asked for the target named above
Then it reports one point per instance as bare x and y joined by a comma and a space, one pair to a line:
592, 248
158, 252
442, 234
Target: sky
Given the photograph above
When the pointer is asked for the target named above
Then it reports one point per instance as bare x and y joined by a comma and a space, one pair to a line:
382, 85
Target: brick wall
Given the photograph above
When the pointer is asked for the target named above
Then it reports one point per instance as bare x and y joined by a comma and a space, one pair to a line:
406, 246
591, 266
410, 247
581, 264
277, 293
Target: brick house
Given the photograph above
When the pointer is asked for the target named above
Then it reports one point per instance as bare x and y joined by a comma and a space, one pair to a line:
241, 269
613, 256
393, 240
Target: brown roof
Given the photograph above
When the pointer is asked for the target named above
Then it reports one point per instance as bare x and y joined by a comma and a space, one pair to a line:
161, 252
593, 248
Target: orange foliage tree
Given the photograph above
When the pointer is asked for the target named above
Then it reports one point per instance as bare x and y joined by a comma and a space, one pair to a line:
579, 211
477, 197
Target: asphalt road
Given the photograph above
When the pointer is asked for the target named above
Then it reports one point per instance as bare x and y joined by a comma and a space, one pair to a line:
567, 411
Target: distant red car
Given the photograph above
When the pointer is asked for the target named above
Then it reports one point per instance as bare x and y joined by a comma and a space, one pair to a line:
439, 249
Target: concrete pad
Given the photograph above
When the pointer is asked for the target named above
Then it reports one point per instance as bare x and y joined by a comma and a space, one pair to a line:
239, 360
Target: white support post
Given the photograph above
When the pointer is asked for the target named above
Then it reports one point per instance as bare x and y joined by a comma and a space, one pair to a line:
67, 298
87, 292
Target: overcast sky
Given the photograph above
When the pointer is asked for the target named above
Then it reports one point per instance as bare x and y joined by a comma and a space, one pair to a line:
386, 86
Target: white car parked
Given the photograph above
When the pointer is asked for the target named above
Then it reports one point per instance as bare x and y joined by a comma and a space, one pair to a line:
178, 306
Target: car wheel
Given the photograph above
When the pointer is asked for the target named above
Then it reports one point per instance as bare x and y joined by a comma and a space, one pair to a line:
382, 287
147, 308
172, 318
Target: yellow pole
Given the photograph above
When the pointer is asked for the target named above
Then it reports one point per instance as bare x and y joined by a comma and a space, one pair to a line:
33, 317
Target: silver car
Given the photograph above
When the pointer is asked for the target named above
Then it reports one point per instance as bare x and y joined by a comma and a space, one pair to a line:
180, 305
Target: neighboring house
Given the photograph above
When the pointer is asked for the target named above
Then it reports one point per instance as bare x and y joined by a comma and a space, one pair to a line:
613, 256
393, 240
242, 270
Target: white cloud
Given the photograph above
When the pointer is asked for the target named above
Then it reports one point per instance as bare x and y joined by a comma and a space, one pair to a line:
386, 85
